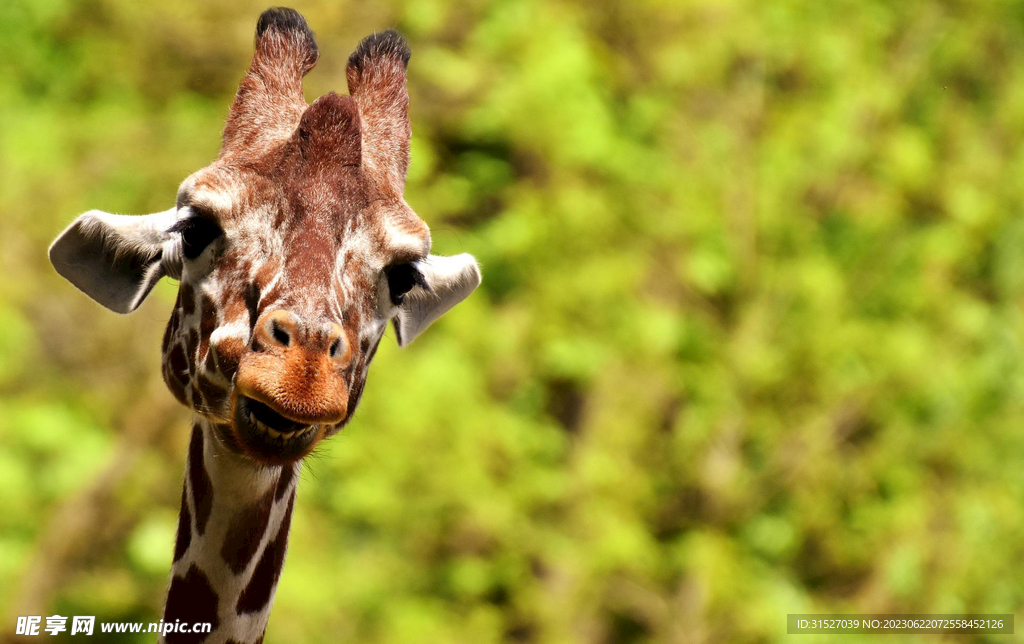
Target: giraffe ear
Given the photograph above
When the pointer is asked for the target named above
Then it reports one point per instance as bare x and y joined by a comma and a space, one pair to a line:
117, 259
449, 280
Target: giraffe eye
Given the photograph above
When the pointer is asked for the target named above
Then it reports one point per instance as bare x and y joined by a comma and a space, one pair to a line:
196, 234
401, 279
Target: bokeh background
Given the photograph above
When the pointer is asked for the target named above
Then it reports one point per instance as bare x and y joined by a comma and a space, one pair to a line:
748, 341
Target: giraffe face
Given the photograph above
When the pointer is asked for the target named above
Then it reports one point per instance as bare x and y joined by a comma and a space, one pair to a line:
294, 250
287, 285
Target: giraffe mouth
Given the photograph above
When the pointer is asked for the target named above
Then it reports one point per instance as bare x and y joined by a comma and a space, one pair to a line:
268, 435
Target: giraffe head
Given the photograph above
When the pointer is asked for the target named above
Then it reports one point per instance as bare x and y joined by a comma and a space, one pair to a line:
294, 249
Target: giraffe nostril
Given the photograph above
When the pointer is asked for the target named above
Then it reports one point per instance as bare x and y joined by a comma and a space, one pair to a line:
279, 334
278, 329
337, 349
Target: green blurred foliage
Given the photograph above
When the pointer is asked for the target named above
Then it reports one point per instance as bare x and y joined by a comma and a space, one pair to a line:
747, 344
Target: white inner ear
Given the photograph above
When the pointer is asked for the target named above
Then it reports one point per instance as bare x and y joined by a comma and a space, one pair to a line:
451, 280
116, 259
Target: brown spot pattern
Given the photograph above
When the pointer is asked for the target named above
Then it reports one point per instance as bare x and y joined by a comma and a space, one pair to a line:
287, 474
174, 386
198, 401
186, 299
184, 538
245, 532
212, 392
228, 352
202, 488
178, 362
258, 591
265, 273
191, 599
170, 333
210, 366
207, 324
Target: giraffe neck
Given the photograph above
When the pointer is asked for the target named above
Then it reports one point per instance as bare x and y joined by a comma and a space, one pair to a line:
232, 535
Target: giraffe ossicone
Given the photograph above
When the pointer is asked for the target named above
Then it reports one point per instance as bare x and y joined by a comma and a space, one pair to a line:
294, 250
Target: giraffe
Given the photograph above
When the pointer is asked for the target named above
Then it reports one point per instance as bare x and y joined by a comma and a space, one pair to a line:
293, 250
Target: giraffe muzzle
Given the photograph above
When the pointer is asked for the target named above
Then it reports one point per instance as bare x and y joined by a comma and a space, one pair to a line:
269, 436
